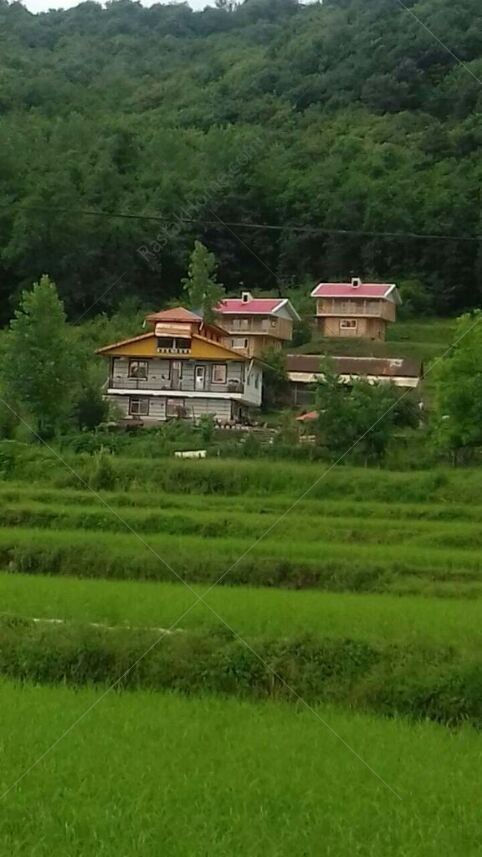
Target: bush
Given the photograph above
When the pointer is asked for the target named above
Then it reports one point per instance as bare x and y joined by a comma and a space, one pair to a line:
91, 409
8, 423
7, 460
103, 476
391, 680
206, 427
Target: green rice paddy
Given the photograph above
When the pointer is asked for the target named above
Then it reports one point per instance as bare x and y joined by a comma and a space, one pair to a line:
150, 774
365, 596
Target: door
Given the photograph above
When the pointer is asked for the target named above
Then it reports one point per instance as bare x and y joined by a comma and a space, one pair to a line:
176, 374
199, 377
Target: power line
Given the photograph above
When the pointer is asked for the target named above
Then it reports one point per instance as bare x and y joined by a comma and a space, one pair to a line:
312, 230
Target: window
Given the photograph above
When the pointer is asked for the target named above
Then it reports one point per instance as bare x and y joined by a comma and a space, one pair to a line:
175, 408
138, 369
239, 342
256, 381
139, 407
236, 323
165, 343
348, 324
177, 344
219, 373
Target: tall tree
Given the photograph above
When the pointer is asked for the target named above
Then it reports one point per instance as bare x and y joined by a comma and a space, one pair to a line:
201, 285
39, 368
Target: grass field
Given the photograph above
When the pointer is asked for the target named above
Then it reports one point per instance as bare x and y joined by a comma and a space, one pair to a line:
253, 612
365, 596
157, 774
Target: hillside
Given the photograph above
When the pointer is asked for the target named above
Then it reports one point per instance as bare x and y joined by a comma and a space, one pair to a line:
424, 340
349, 118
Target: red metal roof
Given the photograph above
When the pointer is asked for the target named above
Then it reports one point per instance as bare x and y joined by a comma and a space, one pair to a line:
347, 290
305, 418
256, 306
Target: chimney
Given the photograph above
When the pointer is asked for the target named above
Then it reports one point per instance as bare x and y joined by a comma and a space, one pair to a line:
246, 296
355, 282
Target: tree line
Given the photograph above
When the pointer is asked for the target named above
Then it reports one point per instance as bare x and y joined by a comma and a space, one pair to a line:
366, 125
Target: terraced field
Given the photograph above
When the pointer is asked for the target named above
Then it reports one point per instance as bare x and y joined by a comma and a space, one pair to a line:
364, 600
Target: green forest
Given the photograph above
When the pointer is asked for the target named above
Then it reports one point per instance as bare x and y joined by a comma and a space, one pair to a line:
346, 125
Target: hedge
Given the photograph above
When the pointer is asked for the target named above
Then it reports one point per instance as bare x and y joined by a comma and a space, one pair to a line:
393, 680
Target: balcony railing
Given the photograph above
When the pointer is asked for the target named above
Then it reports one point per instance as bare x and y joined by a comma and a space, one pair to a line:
373, 309
179, 385
349, 310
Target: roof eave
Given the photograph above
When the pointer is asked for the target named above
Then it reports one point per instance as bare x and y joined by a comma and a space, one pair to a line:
396, 294
107, 348
285, 302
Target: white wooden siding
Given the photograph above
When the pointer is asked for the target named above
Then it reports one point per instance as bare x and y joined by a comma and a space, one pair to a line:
217, 408
158, 375
252, 394
157, 408
195, 407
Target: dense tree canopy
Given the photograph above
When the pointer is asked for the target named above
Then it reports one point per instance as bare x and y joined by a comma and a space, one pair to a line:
359, 417
457, 380
346, 115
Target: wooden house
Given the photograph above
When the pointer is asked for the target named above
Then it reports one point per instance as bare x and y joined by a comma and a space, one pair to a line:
256, 324
181, 368
355, 309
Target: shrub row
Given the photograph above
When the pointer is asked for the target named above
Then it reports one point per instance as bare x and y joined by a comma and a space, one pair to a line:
331, 566
231, 477
410, 681
305, 525
21, 494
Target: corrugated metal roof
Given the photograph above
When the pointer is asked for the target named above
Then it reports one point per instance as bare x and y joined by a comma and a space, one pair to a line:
362, 366
254, 306
347, 290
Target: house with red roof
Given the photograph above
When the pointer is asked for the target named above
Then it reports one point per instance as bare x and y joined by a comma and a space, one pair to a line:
181, 368
355, 309
255, 324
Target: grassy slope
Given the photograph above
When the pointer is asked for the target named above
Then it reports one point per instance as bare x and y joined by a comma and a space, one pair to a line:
378, 619
422, 340
348, 524
157, 774
365, 530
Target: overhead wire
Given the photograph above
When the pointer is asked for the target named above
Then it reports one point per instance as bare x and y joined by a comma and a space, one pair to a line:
243, 224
